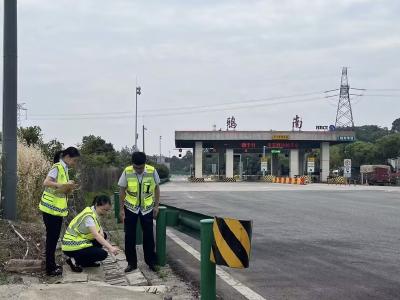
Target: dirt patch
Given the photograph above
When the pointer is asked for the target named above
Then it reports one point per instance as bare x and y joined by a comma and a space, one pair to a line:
12, 246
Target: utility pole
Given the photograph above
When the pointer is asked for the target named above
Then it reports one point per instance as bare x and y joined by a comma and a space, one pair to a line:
143, 129
10, 78
344, 114
263, 160
138, 92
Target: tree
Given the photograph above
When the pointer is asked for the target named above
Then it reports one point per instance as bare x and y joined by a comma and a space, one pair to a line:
32, 135
337, 156
396, 125
49, 149
96, 152
124, 157
360, 153
181, 165
370, 133
388, 147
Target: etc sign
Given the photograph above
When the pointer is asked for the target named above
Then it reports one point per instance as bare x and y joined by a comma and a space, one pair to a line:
326, 127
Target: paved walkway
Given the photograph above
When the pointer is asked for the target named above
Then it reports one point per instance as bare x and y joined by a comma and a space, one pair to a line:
105, 282
89, 290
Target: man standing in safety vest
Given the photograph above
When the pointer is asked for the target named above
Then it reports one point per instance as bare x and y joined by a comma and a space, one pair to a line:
140, 197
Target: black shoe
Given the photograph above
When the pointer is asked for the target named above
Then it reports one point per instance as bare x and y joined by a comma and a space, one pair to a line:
74, 268
154, 268
130, 268
55, 272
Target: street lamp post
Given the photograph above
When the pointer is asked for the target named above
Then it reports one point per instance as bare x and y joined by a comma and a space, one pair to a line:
143, 129
264, 160
138, 92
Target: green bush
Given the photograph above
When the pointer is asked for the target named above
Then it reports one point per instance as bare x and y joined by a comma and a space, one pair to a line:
162, 170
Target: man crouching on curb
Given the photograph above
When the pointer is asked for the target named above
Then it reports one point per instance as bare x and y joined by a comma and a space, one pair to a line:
140, 197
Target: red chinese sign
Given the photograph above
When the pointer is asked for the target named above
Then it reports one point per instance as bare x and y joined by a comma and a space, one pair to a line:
248, 145
283, 145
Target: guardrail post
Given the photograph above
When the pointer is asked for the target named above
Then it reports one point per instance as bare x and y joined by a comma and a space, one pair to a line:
208, 277
161, 239
116, 206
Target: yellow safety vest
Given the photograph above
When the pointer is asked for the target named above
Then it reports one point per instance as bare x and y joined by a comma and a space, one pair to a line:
74, 239
140, 194
52, 202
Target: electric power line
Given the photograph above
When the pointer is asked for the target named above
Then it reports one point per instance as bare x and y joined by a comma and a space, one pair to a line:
241, 102
199, 109
204, 110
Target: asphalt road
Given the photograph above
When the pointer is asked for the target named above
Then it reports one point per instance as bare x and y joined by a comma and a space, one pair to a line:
313, 242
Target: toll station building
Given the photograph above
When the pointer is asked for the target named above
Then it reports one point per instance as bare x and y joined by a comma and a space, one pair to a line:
271, 147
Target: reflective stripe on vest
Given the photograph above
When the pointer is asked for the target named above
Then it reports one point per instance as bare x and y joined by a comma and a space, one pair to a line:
145, 189
52, 202
74, 239
52, 207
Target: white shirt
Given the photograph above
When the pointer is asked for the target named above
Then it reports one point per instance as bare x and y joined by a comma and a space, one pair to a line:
123, 182
54, 171
87, 222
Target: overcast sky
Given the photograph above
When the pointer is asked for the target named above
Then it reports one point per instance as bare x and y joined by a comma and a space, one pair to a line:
78, 63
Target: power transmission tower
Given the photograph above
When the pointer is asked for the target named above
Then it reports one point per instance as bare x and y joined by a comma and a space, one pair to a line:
344, 114
21, 110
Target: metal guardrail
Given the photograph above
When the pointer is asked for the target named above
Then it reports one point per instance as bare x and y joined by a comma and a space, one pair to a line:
194, 224
197, 225
185, 220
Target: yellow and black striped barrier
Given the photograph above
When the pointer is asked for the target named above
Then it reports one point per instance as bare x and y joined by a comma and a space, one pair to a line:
195, 179
232, 242
229, 179
269, 178
337, 180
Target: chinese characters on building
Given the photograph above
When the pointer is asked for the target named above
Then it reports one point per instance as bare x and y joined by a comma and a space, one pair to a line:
276, 145
231, 123
248, 145
288, 145
297, 123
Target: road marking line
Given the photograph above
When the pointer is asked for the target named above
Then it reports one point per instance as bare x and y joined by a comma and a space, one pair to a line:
237, 285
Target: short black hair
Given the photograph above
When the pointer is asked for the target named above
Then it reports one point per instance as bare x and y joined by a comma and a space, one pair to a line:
139, 158
101, 200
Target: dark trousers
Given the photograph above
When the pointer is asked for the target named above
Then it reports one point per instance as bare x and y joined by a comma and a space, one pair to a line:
130, 237
87, 256
53, 229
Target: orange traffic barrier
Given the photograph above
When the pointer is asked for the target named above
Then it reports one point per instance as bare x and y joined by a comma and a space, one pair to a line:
303, 180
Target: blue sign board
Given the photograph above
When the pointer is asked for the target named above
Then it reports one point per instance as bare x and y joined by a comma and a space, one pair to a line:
345, 138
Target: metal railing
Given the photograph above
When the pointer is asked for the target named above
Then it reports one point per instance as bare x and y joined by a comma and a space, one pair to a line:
197, 225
